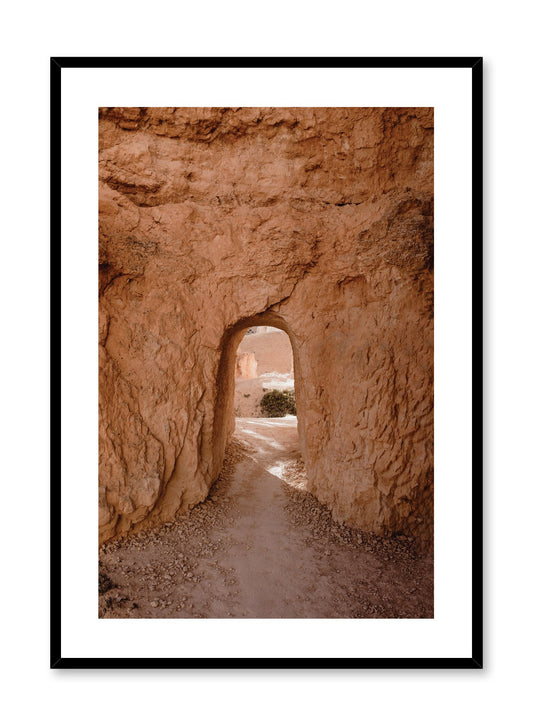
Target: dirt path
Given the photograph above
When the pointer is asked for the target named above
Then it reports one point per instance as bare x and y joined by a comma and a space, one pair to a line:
261, 546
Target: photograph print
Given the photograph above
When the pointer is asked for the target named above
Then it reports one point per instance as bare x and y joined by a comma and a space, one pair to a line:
266, 362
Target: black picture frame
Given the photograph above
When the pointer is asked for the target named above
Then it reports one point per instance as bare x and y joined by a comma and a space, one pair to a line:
57, 661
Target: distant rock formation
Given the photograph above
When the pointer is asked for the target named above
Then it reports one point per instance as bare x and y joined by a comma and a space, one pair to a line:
246, 366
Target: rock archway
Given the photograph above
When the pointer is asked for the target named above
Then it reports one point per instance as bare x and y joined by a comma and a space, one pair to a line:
317, 221
224, 409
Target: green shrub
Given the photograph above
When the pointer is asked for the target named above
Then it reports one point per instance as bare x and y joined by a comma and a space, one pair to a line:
278, 403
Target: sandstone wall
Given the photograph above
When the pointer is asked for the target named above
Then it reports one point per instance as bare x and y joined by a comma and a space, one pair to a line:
317, 221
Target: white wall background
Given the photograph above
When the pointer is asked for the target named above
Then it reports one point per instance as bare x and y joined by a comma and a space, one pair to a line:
30, 34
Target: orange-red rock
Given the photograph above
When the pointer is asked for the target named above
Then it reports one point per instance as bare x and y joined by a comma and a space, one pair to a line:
315, 220
246, 366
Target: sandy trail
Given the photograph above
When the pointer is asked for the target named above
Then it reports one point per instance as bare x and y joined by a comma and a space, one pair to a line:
275, 569
261, 546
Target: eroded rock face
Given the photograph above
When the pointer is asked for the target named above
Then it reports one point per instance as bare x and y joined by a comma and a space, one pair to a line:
317, 221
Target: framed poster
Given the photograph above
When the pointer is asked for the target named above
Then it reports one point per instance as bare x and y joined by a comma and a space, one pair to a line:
287, 441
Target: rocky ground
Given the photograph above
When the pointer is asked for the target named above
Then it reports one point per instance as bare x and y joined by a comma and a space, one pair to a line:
261, 546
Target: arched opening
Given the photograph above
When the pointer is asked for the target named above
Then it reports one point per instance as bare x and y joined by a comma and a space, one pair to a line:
264, 374
224, 423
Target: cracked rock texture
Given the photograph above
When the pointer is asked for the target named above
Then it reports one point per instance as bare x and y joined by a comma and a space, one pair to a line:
318, 221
